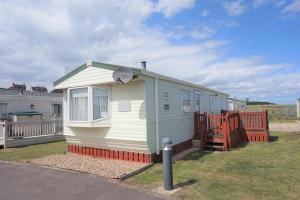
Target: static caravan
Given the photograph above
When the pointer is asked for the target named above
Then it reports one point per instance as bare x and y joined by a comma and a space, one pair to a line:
123, 113
237, 104
21, 104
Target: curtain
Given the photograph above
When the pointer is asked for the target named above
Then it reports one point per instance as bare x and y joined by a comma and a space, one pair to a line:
186, 100
100, 103
79, 104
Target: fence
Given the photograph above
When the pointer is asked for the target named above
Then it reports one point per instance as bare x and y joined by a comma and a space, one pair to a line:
231, 128
33, 132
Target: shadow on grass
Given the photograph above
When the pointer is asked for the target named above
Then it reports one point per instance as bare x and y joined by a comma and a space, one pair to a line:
185, 183
273, 138
196, 155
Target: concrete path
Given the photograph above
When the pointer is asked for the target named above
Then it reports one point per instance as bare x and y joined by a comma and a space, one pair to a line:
28, 182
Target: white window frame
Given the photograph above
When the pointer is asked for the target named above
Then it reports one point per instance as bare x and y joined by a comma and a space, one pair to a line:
6, 108
92, 103
182, 110
52, 108
90, 111
197, 93
212, 104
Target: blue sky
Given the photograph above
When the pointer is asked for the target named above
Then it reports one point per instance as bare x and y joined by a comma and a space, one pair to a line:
247, 48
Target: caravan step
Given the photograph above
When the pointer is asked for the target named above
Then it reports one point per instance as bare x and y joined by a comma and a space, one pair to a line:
214, 146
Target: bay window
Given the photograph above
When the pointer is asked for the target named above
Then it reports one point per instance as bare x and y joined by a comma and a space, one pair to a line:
88, 104
100, 103
79, 104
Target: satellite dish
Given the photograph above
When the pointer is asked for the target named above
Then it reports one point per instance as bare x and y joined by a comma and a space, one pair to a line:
122, 75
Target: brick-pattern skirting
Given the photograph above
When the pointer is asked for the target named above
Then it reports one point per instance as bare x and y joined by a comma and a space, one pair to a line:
125, 155
111, 154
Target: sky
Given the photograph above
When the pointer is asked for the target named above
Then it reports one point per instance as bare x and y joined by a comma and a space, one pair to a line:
246, 48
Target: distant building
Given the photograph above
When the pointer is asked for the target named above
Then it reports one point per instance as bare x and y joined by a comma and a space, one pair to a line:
18, 87
298, 107
237, 104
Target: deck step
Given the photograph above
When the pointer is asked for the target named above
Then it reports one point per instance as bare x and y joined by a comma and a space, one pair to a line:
214, 146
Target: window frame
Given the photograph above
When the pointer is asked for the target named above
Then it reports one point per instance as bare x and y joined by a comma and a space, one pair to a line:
6, 108
90, 112
182, 110
197, 93
92, 103
212, 104
52, 108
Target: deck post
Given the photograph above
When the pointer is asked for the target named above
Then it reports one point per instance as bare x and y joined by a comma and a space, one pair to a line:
4, 134
225, 128
54, 126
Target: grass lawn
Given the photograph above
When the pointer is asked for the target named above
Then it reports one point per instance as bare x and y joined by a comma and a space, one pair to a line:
255, 171
24, 154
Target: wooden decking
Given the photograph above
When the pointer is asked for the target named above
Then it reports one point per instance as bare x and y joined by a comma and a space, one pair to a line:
227, 130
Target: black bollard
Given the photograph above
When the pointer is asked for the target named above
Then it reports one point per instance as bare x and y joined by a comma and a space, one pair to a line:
167, 162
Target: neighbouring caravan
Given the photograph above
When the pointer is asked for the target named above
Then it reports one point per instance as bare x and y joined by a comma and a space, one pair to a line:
29, 105
237, 104
298, 107
124, 113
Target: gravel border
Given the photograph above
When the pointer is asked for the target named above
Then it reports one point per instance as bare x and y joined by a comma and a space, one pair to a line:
102, 167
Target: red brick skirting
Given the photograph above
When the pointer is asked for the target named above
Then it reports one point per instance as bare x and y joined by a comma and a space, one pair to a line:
125, 155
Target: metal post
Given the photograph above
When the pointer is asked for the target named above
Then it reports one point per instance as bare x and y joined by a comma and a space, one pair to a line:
167, 162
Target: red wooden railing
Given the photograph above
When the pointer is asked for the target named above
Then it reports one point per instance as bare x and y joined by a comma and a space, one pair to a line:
231, 128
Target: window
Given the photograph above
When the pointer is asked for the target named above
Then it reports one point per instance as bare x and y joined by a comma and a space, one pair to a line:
3, 109
78, 104
197, 102
57, 109
100, 103
186, 101
87, 104
212, 102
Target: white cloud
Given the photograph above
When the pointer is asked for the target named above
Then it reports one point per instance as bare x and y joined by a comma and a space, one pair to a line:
41, 45
276, 3
171, 7
257, 3
293, 7
234, 8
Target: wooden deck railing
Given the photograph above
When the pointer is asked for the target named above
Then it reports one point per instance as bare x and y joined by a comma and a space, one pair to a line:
230, 128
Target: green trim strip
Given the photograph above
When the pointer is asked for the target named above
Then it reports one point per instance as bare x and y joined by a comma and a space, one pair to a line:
94, 64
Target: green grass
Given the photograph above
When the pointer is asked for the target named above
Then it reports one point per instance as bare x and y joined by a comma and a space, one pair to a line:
254, 171
24, 154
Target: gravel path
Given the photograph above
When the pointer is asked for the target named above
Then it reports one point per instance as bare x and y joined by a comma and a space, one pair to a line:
285, 127
98, 166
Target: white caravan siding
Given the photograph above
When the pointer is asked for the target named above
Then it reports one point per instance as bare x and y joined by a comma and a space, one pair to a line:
89, 76
173, 123
127, 130
22, 103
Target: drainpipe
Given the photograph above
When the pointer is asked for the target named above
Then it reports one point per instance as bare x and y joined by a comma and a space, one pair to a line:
156, 116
